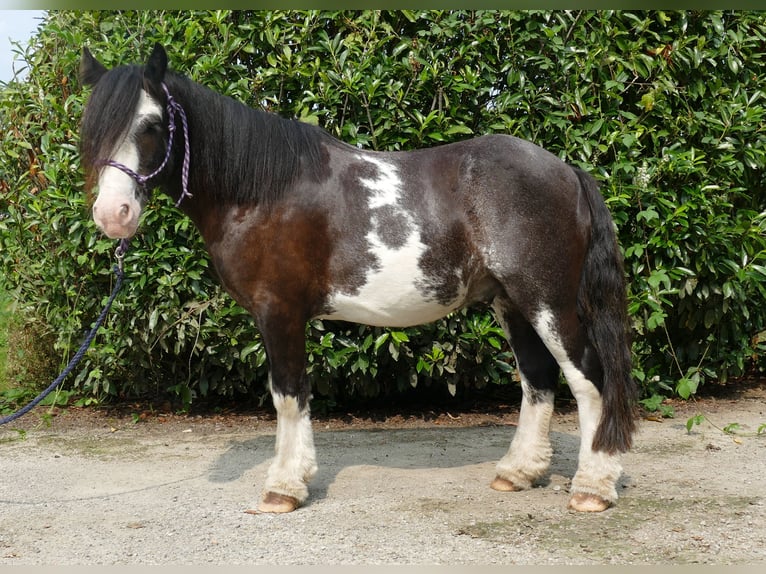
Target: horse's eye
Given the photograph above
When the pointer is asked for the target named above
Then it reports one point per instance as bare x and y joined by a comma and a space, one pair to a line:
149, 126
152, 128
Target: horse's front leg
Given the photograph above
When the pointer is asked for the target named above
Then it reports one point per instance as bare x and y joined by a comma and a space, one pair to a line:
294, 465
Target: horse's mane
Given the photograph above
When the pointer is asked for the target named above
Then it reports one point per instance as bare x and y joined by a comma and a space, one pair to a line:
238, 154
245, 155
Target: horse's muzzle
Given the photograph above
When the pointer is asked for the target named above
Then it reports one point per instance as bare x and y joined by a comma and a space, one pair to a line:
117, 222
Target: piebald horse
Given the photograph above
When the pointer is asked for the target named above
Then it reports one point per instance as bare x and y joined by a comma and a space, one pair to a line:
300, 225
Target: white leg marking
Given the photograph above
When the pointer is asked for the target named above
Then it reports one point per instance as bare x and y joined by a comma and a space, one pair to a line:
295, 462
597, 472
530, 454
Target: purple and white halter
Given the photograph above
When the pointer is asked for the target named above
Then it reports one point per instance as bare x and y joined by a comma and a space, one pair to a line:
172, 107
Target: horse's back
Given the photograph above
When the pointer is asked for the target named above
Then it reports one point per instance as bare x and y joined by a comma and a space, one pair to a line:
523, 208
517, 174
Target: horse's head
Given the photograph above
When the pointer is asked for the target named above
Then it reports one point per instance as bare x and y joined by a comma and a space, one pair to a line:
123, 137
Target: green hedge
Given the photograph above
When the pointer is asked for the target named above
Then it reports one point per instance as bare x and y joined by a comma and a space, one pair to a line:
665, 108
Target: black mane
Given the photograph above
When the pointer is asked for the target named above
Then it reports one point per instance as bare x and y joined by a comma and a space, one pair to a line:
244, 155
238, 154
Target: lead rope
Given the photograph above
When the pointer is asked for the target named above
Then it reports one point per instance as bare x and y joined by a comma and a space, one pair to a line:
119, 254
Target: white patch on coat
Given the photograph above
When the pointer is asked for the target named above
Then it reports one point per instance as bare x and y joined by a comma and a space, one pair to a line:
385, 189
391, 295
116, 210
295, 462
597, 472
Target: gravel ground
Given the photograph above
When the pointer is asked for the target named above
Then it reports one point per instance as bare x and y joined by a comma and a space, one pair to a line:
99, 488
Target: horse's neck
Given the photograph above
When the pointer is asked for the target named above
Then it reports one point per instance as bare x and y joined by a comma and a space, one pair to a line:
213, 156
198, 103
246, 156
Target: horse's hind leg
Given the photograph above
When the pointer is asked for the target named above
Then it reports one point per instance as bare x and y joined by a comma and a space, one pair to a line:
593, 486
530, 453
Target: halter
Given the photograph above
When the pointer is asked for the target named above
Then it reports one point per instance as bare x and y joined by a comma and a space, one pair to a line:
172, 107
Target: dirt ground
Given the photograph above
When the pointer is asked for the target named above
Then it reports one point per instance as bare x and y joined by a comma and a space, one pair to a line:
151, 487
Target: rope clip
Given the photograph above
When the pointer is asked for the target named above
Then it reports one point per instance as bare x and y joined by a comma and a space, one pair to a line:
119, 253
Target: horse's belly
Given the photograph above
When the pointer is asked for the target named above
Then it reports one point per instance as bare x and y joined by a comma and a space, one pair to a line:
398, 305
396, 292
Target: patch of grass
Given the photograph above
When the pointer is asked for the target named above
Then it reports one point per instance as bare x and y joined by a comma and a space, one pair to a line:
26, 362
5, 319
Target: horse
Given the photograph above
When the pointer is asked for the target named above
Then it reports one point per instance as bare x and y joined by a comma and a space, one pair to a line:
300, 225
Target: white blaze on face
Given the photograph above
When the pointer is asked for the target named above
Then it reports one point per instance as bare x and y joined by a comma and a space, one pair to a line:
392, 294
117, 209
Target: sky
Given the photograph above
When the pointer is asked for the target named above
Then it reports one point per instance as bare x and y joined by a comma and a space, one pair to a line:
18, 25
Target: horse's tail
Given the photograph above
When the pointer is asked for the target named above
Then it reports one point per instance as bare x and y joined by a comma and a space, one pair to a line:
602, 304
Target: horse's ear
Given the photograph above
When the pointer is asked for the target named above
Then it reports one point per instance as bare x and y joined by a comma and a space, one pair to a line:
91, 69
156, 66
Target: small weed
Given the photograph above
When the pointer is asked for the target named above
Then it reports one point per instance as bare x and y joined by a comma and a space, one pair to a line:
654, 404
21, 434
89, 401
733, 429
695, 420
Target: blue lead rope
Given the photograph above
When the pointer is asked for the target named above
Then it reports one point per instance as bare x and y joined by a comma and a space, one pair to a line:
118, 271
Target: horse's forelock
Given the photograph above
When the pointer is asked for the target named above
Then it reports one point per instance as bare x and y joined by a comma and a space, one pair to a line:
107, 115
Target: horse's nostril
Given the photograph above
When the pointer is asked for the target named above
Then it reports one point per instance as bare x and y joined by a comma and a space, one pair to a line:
124, 211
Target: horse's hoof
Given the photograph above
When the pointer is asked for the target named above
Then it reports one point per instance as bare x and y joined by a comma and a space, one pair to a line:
585, 502
276, 504
504, 485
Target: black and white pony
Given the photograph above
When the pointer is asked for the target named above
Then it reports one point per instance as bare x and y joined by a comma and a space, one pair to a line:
300, 225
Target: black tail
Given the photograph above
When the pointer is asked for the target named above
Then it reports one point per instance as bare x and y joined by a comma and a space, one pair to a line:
602, 304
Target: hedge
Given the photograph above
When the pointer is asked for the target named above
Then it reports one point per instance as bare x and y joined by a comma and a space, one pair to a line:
665, 108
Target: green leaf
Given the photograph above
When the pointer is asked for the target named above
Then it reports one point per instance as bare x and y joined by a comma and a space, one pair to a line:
399, 336
652, 403
380, 341
686, 387
717, 24
249, 350
153, 318
692, 421
733, 63
458, 129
